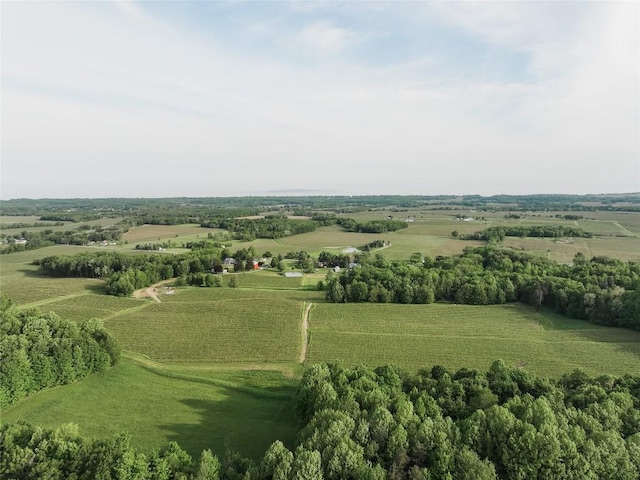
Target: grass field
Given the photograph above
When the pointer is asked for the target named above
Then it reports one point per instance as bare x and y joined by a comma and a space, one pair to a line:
246, 411
415, 336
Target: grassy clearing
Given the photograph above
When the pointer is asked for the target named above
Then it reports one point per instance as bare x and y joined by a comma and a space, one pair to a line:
250, 411
214, 325
414, 336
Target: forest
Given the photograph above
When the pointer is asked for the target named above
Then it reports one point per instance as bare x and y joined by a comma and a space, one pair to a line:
39, 350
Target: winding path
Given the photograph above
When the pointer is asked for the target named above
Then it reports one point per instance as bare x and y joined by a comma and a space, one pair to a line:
305, 332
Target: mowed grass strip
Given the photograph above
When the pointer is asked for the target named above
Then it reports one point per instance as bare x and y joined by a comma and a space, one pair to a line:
158, 408
417, 336
243, 329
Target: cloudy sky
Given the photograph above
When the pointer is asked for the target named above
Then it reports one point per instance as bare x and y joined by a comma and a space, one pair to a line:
159, 99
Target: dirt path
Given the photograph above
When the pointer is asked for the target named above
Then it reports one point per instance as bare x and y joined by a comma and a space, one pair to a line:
305, 332
625, 230
151, 292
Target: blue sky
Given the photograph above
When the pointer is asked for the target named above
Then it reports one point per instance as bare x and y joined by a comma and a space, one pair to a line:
151, 99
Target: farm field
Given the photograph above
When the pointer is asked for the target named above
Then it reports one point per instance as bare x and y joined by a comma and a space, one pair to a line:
206, 326
159, 405
417, 336
155, 233
216, 367
24, 285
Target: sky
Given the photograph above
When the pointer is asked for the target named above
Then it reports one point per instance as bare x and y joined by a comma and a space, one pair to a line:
229, 98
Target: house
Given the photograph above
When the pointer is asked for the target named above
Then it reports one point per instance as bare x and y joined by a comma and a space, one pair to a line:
229, 261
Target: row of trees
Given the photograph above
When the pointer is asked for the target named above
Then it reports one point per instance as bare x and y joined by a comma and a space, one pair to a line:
371, 226
601, 290
43, 238
268, 227
42, 350
497, 234
385, 423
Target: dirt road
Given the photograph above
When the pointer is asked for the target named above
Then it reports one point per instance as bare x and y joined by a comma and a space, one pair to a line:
305, 332
151, 292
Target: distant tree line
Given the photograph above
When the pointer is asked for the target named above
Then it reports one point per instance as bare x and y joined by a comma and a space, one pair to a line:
42, 350
371, 226
497, 234
267, 227
82, 235
384, 423
175, 210
602, 290
7, 226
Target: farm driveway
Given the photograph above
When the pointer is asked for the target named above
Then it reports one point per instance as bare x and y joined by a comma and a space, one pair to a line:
305, 332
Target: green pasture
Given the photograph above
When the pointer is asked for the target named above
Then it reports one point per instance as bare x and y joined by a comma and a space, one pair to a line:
416, 336
243, 411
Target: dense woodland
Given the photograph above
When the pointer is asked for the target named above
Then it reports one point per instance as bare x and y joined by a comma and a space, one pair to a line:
42, 350
366, 423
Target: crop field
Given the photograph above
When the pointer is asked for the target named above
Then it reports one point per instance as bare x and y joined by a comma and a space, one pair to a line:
415, 336
24, 285
563, 250
202, 328
156, 406
91, 305
154, 233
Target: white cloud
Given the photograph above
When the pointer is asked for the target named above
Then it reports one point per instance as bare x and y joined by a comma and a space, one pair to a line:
162, 111
325, 38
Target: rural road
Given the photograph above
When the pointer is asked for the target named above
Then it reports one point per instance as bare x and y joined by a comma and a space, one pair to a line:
305, 332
